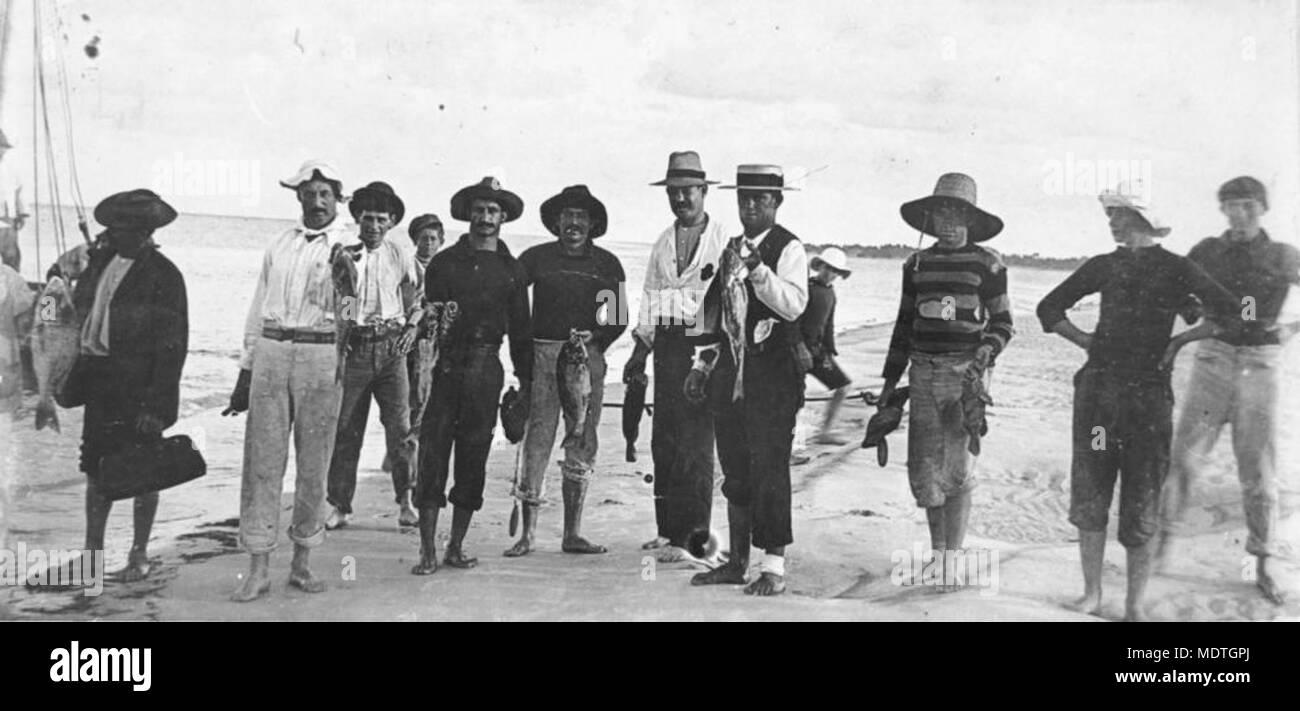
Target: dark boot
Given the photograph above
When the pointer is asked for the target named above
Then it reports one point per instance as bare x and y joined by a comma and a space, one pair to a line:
456, 558
575, 494
739, 523
428, 524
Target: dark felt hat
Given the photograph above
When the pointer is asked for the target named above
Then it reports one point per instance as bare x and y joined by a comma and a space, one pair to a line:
575, 196
134, 209
378, 196
488, 188
421, 222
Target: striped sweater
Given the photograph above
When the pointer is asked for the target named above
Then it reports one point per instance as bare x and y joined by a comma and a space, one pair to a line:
953, 301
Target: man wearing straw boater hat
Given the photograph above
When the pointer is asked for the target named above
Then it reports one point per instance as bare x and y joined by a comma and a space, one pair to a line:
954, 318
818, 327
1123, 404
388, 311
671, 321
13, 213
755, 433
1234, 378
287, 383
489, 290
570, 278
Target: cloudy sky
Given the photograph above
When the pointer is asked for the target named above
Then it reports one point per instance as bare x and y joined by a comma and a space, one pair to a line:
1040, 101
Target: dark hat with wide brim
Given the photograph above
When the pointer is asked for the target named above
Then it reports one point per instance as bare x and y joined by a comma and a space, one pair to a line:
575, 196
488, 188
134, 209
952, 189
381, 195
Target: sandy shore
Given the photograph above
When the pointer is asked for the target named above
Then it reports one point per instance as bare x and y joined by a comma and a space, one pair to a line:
852, 521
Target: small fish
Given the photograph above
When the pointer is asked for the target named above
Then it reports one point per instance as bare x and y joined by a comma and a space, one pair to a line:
971, 408
343, 264
573, 376
633, 408
56, 339
735, 307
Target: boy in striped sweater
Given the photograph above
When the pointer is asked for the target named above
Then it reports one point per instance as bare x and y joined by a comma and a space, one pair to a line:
954, 315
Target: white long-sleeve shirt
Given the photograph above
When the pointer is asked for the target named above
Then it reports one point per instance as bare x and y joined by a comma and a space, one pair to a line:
389, 286
295, 289
669, 298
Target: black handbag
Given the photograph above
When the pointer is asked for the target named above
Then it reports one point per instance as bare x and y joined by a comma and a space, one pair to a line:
147, 467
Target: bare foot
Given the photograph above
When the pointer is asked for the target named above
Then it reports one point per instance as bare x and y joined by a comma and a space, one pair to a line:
305, 581
768, 584
1134, 614
1089, 604
428, 564
1268, 586
722, 575
253, 587
654, 543
578, 544
408, 516
522, 548
456, 558
137, 568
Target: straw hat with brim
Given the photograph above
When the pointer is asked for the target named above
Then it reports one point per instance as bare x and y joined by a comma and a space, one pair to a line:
952, 189
488, 188
684, 169
574, 196
314, 170
835, 258
759, 177
134, 209
1121, 199
377, 196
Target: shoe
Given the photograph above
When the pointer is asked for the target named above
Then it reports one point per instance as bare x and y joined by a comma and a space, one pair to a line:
337, 519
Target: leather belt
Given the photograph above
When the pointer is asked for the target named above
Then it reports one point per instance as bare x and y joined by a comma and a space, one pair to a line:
296, 335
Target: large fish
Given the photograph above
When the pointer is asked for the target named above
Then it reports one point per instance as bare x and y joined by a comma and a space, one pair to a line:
343, 262
633, 407
735, 307
56, 338
573, 378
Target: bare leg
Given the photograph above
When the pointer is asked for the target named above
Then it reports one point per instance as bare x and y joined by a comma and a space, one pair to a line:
525, 544
428, 564
575, 494
956, 514
1139, 571
935, 519
733, 571
1092, 551
137, 563
407, 515
258, 581
832, 410
300, 575
456, 558
1267, 584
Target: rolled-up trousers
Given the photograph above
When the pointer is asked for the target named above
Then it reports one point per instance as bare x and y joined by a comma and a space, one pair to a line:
461, 414
373, 369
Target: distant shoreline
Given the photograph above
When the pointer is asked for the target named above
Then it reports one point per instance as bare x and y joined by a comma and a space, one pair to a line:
900, 252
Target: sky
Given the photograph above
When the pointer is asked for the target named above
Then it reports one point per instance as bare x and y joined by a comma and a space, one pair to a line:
864, 104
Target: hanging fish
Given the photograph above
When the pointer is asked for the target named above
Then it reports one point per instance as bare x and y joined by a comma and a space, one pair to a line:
735, 308
573, 378
633, 408
343, 264
886, 420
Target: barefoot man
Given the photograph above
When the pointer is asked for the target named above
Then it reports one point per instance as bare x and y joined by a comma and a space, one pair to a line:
287, 383
571, 279
1234, 378
1123, 404
954, 318
490, 290
671, 322
388, 311
818, 328
756, 432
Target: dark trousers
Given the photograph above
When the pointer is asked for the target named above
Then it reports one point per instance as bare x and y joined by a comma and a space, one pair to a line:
462, 412
1123, 425
681, 443
108, 425
373, 369
754, 439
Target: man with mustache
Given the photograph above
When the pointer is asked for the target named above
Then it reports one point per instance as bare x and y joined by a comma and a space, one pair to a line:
489, 288
672, 321
1235, 376
287, 383
954, 318
571, 278
755, 433
388, 311
1123, 403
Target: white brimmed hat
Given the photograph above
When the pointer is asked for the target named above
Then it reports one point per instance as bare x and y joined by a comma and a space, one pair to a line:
755, 176
1125, 196
308, 172
835, 258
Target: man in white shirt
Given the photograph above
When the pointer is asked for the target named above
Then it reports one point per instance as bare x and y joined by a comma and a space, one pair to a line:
672, 320
13, 213
388, 314
287, 383
755, 433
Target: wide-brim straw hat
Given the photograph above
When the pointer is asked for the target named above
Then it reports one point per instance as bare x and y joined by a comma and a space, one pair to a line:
952, 189
684, 169
575, 196
1125, 197
833, 257
488, 188
134, 209
382, 193
759, 176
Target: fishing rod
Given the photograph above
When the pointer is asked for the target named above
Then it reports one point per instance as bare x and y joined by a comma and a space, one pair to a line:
867, 396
